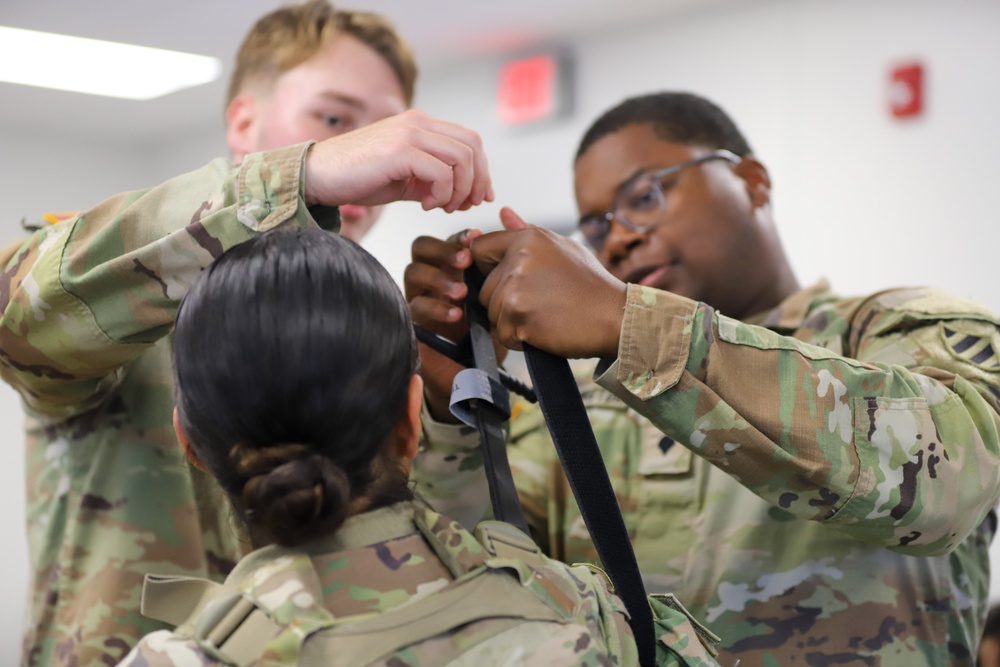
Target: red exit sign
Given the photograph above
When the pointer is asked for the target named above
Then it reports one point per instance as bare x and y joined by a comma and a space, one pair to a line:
906, 90
533, 89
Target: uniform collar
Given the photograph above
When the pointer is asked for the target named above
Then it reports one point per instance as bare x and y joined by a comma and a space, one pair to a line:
457, 548
792, 312
381, 525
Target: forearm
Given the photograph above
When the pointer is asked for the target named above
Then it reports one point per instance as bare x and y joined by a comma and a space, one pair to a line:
91, 293
881, 451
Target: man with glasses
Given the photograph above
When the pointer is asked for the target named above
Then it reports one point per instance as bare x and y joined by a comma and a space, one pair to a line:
641, 203
814, 476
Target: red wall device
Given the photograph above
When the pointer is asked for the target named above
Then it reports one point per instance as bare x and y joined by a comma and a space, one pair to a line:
906, 90
527, 89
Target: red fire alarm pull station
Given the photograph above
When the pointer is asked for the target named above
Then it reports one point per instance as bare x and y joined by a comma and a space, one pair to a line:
532, 89
906, 91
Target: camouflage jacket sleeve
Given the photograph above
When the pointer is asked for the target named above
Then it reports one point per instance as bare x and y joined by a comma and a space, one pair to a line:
896, 443
81, 298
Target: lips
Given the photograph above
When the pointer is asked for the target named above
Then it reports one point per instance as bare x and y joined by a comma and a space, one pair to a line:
352, 212
654, 278
657, 275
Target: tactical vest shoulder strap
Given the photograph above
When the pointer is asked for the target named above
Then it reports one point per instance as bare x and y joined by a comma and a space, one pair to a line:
503, 540
226, 624
175, 600
488, 595
232, 628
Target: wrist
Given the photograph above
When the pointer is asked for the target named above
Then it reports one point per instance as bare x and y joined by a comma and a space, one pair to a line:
612, 327
308, 169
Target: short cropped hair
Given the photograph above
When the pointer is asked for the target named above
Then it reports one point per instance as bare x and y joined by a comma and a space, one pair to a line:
681, 118
289, 36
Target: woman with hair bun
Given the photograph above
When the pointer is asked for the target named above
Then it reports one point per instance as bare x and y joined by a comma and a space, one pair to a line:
297, 389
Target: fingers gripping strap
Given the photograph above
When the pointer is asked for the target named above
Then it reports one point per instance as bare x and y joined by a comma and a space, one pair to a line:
490, 414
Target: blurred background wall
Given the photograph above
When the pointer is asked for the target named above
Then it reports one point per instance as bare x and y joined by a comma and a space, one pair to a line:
864, 199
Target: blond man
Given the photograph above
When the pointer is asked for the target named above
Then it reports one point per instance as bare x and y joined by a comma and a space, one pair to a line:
312, 72
86, 307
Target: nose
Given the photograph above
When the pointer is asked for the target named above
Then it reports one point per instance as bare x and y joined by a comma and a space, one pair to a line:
620, 242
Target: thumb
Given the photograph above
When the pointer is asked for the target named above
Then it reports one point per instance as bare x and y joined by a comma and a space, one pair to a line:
488, 250
469, 235
511, 220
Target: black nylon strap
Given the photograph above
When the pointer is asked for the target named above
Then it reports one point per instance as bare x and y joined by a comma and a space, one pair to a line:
561, 404
463, 355
489, 419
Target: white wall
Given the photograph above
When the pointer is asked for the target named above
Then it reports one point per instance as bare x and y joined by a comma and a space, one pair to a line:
859, 198
865, 200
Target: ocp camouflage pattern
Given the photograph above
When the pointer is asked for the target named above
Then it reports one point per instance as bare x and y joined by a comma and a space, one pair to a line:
817, 487
86, 306
344, 581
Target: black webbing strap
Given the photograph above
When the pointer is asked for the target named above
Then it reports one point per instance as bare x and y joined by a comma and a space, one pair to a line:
463, 355
561, 404
479, 399
476, 402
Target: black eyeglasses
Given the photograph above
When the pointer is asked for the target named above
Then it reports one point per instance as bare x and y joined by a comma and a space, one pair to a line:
641, 203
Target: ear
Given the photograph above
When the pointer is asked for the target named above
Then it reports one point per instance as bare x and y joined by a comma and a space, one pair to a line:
241, 125
408, 429
758, 181
186, 444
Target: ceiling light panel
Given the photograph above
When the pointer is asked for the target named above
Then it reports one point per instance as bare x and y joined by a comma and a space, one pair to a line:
97, 67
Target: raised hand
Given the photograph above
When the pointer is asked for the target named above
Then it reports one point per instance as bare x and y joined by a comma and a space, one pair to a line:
410, 156
549, 291
435, 289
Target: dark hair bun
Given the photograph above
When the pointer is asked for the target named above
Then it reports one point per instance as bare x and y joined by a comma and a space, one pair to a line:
294, 350
295, 500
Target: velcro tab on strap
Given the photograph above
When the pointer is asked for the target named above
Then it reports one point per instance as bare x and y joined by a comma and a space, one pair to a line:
473, 384
233, 629
505, 541
175, 600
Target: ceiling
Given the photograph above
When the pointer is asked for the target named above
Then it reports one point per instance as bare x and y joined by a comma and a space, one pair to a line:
439, 30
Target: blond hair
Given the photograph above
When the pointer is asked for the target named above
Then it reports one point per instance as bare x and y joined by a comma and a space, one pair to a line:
289, 36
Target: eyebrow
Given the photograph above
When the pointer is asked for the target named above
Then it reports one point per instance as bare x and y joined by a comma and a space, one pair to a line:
346, 99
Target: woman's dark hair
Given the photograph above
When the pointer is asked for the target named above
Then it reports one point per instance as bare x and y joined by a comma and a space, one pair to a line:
293, 354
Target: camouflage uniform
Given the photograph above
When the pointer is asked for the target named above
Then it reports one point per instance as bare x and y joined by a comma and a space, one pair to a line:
818, 489
85, 309
405, 586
